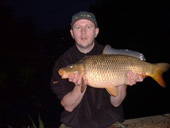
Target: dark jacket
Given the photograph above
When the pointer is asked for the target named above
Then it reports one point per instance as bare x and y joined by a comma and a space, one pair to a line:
95, 109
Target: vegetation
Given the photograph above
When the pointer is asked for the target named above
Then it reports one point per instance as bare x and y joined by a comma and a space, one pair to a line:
40, 125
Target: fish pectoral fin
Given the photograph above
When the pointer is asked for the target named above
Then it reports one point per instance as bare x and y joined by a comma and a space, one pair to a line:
112, 91
82, 86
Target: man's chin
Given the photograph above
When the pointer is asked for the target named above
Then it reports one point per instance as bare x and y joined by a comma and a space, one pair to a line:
84, 44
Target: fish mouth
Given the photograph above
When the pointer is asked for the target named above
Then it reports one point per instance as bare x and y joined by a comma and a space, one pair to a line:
62, 74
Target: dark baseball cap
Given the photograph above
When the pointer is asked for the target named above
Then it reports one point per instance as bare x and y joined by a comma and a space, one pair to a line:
84, 15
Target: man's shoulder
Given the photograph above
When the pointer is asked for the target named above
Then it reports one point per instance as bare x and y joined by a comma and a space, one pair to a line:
66, 57
68, 52
101, 47
98, 48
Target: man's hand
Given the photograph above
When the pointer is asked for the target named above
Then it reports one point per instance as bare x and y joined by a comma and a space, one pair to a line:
134, 78
73, 98
77, 79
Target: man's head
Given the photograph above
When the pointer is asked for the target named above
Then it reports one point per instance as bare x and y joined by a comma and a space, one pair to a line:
84, 15
84, 30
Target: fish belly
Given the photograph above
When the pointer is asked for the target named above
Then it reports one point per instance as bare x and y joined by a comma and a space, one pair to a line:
104, 71
105, 79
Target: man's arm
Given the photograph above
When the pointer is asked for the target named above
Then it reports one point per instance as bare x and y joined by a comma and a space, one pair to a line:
131, 80
117, 100
73, 98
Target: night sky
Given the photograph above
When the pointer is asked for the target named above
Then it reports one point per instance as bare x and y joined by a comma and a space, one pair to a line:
49, 14
34, 33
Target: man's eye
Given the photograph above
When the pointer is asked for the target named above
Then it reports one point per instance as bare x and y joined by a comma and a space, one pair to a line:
78, 27
88, 26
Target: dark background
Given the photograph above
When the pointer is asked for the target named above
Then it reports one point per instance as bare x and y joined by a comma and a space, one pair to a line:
28, 50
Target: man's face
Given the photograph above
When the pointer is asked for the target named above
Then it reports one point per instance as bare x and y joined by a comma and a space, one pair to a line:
84, 33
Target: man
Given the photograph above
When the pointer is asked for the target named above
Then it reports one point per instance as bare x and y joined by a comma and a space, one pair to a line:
94, 108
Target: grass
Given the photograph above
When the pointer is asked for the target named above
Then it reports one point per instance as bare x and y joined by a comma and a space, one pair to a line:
40, 123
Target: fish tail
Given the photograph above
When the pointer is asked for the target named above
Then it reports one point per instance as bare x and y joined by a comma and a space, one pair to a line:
160, 69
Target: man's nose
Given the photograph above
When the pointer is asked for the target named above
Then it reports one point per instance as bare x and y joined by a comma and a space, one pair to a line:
83, 30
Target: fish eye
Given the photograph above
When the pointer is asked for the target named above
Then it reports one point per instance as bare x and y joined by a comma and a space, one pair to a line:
71, 66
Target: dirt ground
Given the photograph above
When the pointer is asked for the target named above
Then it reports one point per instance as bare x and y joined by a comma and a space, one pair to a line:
160, 121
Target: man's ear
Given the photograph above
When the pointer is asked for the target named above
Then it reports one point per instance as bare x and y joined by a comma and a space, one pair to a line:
97, 32
71, 31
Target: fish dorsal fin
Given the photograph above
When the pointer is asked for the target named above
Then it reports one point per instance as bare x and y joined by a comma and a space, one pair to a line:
109, 50
112, 90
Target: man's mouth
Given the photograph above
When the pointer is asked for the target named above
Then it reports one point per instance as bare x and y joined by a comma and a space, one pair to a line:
83, 38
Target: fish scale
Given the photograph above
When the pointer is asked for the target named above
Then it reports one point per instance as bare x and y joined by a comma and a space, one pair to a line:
108, 72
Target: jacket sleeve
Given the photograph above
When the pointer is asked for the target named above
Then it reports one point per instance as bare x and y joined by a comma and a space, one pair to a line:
58, 85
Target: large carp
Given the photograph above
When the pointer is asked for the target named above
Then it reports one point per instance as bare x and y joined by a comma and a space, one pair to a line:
110, 70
